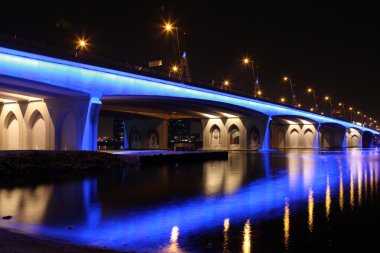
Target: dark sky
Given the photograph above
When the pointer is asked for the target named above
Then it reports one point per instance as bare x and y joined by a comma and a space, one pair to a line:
332, 48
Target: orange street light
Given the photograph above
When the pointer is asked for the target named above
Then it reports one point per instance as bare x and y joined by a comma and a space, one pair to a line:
174, 68
81, 45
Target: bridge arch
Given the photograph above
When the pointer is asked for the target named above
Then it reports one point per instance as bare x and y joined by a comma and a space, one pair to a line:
215, 137
254, 141
332, 135
12, 132
294, 139
289, 131
153, 138
309, 137
367, 139
135, 139
66, 134
37, 131
234, 137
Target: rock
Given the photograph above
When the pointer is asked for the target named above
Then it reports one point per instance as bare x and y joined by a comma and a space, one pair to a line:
8, 217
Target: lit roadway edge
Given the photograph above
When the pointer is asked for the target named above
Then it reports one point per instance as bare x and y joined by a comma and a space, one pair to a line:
99, 82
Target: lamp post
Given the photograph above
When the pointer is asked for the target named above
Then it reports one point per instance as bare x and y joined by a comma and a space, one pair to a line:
361, 117
310, 90
344, 110
256, 86
327, 98
169, 27
351, 109
293, 95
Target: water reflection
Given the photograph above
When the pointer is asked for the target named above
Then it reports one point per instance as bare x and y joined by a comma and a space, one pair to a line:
359, 174
226, 225
146, 204
371, 179
341, 190
365, 184
310, 210
328, 197
224, 177
286, 224
247, 238
352, 190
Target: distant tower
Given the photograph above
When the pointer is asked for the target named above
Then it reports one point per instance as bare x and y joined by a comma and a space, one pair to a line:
184, 68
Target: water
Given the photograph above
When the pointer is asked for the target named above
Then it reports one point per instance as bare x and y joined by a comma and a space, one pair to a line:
299, 200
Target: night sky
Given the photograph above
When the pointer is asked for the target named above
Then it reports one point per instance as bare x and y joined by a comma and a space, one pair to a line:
334, 49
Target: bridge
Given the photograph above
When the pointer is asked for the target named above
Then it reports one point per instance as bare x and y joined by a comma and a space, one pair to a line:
48, 103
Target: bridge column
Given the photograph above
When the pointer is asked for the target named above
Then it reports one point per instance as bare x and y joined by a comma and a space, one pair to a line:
266, 140
164, 136
317, 137
90, 128
344, 142
125, 135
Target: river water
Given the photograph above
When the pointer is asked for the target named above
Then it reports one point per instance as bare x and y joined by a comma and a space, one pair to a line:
295, 201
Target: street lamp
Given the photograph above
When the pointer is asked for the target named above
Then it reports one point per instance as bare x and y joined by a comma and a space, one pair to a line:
226, 84
294, 100
351, 109
327, 98
81, 45
256, 85
169, 27
174, 69
344, 110
282, 100
360, 113
310, 90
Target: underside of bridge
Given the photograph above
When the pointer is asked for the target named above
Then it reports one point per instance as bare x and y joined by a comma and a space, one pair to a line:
223, 126
35, 116
44, 117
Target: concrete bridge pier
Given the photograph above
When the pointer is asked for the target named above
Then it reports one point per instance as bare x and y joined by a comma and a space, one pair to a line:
234, 133
147, 133
51, 124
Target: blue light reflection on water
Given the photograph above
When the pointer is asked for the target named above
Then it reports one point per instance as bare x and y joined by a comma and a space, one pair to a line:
295, 180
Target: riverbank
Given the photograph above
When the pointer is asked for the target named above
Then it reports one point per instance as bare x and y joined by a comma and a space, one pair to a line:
13, 242
170, 156
25, 167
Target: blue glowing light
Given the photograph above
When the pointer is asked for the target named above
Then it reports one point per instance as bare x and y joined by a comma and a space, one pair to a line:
98, 82
306, 173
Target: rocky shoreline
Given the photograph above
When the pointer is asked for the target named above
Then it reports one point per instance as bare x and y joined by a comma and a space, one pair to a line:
28, 167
